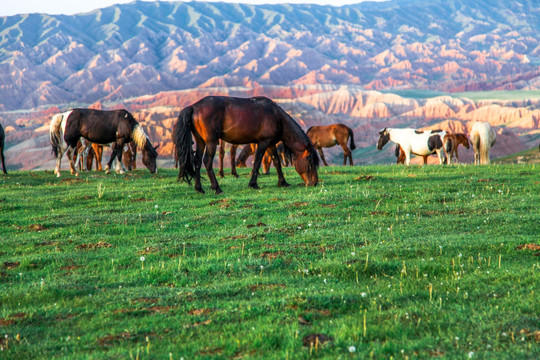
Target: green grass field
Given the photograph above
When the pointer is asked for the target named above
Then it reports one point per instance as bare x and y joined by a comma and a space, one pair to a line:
375, 262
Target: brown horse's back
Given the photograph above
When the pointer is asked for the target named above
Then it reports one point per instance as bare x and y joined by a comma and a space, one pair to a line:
237, 120
329, 135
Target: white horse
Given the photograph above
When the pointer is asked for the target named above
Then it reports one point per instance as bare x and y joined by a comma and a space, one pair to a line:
417, 142
482, 137
59, 146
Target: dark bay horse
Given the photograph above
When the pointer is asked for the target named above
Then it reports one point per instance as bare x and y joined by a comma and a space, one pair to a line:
451, 144
2, 138
331, 135
116, 127
240, 121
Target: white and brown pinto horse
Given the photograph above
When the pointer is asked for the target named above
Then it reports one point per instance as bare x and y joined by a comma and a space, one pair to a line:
417, 142
482, 137
116, 127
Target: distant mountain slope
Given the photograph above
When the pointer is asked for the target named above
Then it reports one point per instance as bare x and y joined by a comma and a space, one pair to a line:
147, 47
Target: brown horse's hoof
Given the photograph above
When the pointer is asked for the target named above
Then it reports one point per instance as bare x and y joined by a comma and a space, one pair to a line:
283, 184
236, 175
254, 186
218, 191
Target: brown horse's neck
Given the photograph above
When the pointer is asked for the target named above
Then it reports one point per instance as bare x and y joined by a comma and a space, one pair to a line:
293, 136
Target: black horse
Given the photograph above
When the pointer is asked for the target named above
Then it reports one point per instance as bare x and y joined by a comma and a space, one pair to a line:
118, 127
2, 137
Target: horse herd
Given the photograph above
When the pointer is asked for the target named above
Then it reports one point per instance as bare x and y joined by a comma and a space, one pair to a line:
270, 133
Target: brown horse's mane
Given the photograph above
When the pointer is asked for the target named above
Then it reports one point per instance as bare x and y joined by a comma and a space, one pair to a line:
313, 158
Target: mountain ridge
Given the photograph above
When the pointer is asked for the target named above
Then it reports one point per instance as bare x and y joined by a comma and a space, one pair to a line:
143, 48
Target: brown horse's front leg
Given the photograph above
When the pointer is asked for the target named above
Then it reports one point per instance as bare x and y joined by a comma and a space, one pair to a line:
347, 154
279, 170
208, 163
261, 149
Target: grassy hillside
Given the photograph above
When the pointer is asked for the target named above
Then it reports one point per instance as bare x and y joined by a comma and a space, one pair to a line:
376, 262
531, 156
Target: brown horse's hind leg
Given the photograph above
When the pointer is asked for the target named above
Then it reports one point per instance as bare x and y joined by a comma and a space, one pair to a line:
319, 149
346, 154
277, 163
208, 160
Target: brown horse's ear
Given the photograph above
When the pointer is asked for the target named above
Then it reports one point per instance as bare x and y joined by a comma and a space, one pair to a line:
156, 147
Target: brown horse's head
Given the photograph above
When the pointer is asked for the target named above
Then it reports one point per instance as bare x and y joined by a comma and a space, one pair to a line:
149, 157
306, 166
383, 138
462, 138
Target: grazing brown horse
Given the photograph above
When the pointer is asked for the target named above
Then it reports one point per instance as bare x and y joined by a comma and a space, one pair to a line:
239, 121
331, 135
451, 143
2, 138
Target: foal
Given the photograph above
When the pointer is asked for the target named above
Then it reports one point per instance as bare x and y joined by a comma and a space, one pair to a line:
451, 144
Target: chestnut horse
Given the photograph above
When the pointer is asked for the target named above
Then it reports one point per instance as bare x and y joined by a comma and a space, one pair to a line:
451, 143
239, 121
2, 138
332, 135
483, 137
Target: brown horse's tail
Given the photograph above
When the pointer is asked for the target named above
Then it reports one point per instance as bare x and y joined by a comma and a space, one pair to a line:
182, 142
351, 136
